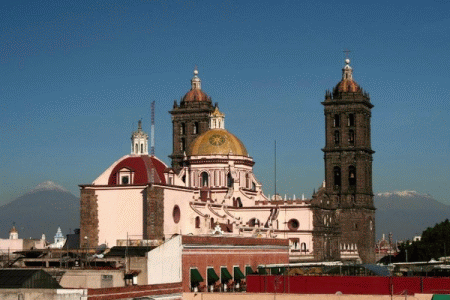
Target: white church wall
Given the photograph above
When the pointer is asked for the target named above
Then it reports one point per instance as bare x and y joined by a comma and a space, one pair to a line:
120, 213
181, 198
164, 262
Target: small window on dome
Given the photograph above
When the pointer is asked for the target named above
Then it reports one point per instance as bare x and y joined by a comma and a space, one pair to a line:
229, 180
205, 179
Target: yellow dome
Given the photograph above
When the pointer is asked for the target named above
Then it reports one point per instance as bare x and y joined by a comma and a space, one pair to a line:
217, 141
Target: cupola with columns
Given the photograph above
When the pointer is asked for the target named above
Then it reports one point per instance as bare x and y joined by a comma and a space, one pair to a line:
217, 119
139, 141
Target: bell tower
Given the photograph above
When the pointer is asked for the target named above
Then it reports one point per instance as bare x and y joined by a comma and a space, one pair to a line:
189, 119
347, 194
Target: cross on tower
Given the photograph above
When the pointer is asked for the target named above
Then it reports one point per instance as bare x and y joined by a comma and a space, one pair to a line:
346, 51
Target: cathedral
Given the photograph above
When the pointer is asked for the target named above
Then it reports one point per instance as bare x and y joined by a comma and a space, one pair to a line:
210, 187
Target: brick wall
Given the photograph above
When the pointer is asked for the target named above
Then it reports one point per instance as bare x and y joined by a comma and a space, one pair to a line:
217, 252
134, 291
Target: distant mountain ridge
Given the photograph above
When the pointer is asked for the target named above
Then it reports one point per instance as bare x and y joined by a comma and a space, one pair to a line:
49, 206
407, 213
41, 210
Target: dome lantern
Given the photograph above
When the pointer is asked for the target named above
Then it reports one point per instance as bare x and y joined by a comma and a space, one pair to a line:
139, 141
196, 83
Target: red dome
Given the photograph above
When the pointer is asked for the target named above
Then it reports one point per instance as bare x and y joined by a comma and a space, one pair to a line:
196, 95
141, 168
347, 86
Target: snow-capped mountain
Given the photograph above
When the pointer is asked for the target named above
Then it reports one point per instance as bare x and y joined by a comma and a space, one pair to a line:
48, 186
41, 210
407, 213
403, 194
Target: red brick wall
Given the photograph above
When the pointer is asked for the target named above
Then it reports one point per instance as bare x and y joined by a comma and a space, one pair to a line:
134, 291
362, 285
218, 257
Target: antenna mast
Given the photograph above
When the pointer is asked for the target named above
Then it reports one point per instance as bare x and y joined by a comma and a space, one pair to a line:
275, 195
152, 132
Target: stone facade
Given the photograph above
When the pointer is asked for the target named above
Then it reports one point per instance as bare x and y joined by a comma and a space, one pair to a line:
189, 120
344, 209
154, 213
88, 218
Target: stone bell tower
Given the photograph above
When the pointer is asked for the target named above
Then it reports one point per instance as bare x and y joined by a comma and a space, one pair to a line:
346, 200
189, 119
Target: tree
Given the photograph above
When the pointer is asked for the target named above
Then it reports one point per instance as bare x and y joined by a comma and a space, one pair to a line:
435, 243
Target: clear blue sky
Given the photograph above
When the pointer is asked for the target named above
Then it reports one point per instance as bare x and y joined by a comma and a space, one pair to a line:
76, 76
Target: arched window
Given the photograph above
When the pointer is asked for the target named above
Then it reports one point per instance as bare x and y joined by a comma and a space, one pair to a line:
183, 144
337, 176
136, 148
205, 179
247, 180
197, 222
239, 202
212, 223
229, 180
195, 131
336, 121
336, 137
142, 148
351, 176
351, 137
351, 120
303, 247
182, 128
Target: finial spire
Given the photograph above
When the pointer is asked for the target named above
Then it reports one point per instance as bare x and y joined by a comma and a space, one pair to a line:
196, 83
347, 71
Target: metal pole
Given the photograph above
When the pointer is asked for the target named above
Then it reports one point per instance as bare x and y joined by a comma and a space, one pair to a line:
275, 195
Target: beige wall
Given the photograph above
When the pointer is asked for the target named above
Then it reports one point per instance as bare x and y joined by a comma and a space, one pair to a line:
120, 214
43, 294
10, 245
91, 278
248, 296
